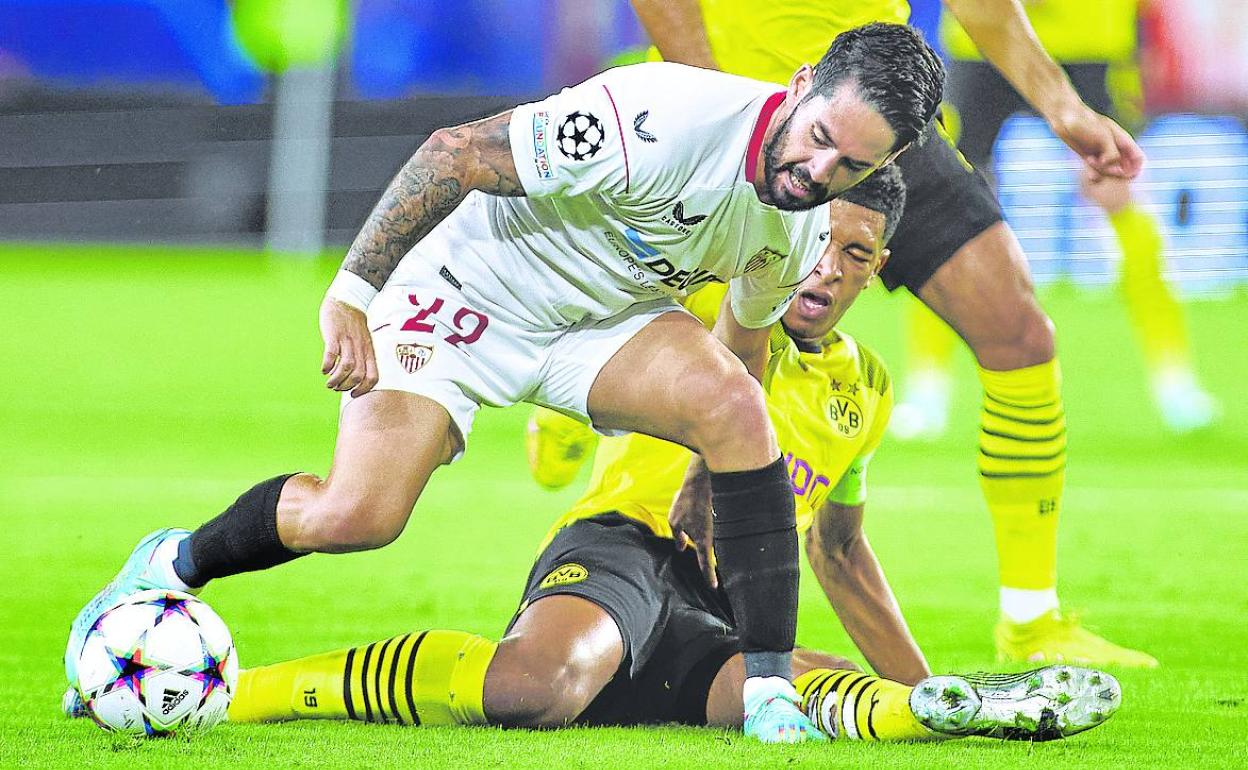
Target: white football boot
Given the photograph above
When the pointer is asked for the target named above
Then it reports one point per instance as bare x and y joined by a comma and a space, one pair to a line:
1040, 705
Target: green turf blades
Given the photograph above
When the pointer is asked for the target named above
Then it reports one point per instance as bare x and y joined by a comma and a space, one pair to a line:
1040, 705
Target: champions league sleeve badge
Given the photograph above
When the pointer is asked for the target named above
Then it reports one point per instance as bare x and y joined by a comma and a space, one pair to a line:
580, 136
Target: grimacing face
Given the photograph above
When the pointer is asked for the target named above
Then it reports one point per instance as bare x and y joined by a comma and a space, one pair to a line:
854, 254
824, 146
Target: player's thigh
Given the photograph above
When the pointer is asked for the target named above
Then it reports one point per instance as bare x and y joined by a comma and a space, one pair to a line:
389, 444
986, 294
672, 379
723, 701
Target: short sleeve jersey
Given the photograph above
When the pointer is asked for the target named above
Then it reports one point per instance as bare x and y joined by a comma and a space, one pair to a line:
829, 409
637, 186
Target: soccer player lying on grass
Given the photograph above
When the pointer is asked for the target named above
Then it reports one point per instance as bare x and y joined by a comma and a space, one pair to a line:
618, 627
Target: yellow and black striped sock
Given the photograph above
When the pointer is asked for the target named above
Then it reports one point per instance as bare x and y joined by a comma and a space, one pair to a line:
1022, 462
859, 707
429, 678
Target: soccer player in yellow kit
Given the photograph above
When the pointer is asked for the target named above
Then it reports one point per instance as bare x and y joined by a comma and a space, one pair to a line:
618, 627
1095, 41
955, 253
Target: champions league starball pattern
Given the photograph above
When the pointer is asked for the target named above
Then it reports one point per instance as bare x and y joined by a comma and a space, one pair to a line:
155, 663
580, 136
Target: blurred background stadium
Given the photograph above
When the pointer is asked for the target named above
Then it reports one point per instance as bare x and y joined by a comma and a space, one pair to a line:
164, 120
178, 179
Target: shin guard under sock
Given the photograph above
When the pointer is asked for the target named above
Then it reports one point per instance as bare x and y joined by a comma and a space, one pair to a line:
756, 547
242, 539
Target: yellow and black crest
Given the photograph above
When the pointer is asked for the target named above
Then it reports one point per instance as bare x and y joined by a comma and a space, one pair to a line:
564, 574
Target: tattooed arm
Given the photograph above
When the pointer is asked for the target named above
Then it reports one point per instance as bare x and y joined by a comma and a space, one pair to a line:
450, 164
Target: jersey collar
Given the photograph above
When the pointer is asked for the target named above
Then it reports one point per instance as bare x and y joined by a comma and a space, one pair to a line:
760, 127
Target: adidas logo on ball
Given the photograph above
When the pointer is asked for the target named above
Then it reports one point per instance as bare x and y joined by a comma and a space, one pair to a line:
171, 700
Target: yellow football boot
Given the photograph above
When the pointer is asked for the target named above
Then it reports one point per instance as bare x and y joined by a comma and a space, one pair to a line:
1057, 638
557, 446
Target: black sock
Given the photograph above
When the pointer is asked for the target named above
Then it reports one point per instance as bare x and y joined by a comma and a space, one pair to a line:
242, 539
756, 546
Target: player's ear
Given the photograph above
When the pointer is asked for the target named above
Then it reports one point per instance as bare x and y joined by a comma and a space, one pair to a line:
884, 255
801, 82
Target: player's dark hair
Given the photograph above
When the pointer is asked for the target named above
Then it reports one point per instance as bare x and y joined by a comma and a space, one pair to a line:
883, 191
896, 72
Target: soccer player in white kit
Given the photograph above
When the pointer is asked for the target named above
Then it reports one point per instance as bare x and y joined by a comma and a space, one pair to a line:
536, 256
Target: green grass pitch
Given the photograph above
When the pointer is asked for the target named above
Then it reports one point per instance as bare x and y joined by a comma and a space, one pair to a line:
149, 387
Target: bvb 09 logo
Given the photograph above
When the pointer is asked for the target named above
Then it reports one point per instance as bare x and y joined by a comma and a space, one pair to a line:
847, 415
564, 574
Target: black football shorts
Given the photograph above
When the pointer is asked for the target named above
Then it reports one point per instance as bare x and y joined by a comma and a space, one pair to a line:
947, 204
677, 632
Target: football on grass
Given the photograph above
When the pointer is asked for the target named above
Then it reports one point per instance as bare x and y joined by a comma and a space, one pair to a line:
155, 663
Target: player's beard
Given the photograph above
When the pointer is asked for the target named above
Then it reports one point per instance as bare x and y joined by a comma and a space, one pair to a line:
772, 168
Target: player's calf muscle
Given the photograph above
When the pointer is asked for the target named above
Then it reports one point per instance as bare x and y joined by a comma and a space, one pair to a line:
313, 516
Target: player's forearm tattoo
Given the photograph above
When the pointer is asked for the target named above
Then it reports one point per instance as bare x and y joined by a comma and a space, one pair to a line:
453, 162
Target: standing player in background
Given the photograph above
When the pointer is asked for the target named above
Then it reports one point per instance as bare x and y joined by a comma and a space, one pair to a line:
1095, 41
536, 256
954, 252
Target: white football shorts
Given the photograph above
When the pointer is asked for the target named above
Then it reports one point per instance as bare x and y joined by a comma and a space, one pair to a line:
433, 341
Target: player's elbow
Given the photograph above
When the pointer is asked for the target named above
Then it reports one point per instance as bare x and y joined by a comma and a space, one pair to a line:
446, 152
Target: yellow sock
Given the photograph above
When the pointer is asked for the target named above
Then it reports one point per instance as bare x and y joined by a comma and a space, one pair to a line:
929, 340
859, 707
1155, 313
430, 678
1022, 462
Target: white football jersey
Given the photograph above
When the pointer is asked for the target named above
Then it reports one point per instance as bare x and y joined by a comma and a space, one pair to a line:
637, 186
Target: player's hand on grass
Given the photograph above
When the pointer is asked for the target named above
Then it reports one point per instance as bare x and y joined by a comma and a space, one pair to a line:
690, 518
1105, 147
348, 361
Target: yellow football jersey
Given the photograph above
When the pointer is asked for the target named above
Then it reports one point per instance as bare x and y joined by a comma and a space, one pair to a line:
770, 40
829, 410
1070, 30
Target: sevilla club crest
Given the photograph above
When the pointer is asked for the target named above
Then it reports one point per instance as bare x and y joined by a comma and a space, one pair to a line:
413, 357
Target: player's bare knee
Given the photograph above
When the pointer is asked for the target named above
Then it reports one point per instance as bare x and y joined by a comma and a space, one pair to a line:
1028, 339
733, 413
534, 683
537, 698
536, 701
1037, 338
